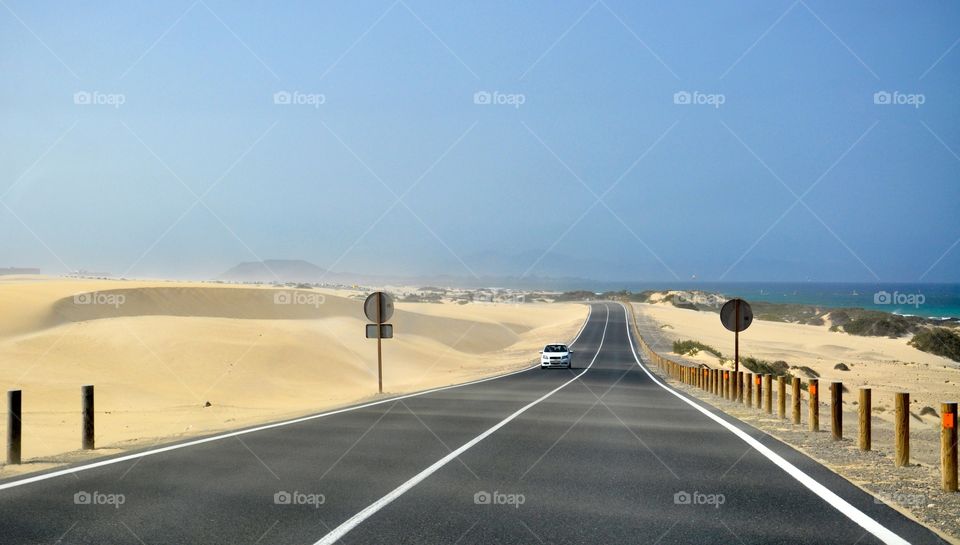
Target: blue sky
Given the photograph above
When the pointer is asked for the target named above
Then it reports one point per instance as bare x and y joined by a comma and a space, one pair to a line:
787, 169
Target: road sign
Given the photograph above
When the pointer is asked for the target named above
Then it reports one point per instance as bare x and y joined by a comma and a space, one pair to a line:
378, 307
736, 319
736, 315
386, 331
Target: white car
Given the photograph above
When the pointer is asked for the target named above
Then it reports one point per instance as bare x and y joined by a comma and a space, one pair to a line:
555, 355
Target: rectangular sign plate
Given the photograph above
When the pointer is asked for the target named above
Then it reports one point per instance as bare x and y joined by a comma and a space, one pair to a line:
386, 331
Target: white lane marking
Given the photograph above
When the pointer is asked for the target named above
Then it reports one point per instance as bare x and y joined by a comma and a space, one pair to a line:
177, 446
881, 532
371, 509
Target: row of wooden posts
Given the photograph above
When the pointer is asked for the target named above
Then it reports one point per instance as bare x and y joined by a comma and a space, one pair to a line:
739, 387
15, 423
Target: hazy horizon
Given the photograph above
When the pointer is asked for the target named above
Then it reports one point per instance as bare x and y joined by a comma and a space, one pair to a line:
771, 141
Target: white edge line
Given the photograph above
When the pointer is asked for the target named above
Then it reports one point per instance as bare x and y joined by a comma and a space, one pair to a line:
136, 455
881, 532
371, 509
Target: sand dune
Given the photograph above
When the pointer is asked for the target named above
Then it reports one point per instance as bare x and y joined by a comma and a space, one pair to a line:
159, 351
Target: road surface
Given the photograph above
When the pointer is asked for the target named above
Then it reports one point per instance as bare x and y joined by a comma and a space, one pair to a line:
602, 453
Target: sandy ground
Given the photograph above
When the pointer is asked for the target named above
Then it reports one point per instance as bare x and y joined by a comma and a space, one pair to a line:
885, 365
158, 352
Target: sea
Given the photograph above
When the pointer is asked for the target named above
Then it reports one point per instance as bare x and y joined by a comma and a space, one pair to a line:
928, 300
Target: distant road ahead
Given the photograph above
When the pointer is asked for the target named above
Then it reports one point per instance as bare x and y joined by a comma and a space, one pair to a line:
602, 453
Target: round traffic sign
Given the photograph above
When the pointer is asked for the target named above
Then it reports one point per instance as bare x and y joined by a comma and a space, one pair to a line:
728, 315
370, 307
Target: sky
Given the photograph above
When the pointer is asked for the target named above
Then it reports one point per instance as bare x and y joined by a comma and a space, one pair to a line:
618, 140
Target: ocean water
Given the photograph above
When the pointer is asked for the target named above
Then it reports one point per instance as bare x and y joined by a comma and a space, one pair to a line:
927, 300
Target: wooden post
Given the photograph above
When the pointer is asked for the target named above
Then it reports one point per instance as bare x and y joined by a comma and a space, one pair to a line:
87, 435
14, 426
865, 419
758, 381
812, 390
902, 429
836, 410
781, 397
795, 401
748, 398
738, 386
948, 446
768, 388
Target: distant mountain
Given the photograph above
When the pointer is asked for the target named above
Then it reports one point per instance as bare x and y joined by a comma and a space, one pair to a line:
275, 270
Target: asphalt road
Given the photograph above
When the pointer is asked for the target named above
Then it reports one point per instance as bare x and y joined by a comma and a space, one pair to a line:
602, 453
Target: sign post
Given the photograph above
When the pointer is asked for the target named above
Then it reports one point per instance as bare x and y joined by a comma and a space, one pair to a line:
379, 308
736, 315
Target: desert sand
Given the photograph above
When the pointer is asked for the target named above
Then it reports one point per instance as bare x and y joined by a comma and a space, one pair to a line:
884, 364
158, 352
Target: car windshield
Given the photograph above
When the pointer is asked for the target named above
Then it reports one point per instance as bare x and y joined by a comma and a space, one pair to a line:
555, 348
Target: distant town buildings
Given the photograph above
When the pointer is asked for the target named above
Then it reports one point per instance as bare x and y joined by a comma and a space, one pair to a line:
4, 271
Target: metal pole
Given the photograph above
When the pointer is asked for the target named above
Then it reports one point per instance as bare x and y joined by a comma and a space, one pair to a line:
736, 338
379, 344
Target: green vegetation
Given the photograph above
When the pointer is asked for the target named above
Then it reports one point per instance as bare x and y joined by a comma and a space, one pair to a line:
938, 340
691, 348
874, 323
764, 367
788, 312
